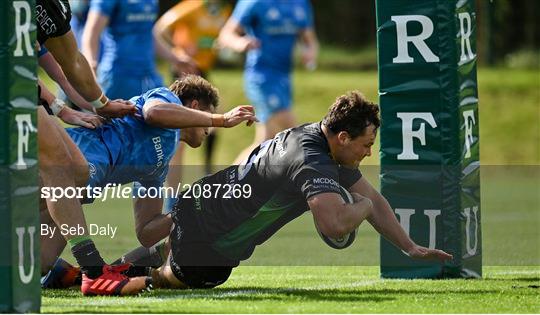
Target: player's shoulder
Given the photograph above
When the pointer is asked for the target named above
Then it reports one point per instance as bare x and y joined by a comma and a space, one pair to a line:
162, 93
310, 143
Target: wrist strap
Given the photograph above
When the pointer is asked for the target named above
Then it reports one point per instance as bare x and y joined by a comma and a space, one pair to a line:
57, 106
100, 102
218, 120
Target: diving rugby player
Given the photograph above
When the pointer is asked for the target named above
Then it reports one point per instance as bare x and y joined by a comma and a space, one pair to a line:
300, 169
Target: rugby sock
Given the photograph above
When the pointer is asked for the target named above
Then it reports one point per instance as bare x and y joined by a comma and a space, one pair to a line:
87, 256
145, 257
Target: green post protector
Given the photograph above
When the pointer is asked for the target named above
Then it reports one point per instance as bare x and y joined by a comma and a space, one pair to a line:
19, 224
429, 133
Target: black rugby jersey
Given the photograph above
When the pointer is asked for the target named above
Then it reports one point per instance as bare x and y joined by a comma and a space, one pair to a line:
283, 173
52, 19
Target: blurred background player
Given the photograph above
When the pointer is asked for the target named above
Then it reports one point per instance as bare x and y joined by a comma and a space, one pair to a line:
127, 66
268, 30
188, 30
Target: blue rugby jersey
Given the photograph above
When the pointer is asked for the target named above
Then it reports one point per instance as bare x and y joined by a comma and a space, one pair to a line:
128, 46
128, 149
276, 24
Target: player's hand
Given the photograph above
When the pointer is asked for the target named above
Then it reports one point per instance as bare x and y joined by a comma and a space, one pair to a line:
239, 114
357, 197
309, 58
117, 108
73, 117
246, 43
185, 64
424, 253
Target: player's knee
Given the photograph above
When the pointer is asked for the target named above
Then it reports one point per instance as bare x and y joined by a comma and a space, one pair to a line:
81, 173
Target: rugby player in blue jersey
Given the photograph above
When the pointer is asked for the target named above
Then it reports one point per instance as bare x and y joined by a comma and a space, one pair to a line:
268, 30
300, 169
138, 149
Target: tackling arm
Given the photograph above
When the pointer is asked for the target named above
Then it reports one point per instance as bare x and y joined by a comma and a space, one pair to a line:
75, 67
79, 74
49, 64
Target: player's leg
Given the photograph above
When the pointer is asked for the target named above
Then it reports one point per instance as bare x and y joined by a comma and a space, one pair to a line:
271, 97
173, 275
280, 114
164, 277
279, 121
79, 163
56, 272
52, 243
154, 256
56, 171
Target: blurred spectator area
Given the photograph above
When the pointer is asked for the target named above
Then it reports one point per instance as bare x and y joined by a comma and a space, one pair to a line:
508, 32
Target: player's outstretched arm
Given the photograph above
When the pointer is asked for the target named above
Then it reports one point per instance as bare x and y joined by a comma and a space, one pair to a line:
384, 221
168, 115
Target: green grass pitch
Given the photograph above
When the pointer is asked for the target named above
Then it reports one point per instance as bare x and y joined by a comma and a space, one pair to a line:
295, 272
325, 290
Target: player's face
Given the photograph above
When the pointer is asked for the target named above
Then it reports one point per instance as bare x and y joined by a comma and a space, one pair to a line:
353, 151
194, 137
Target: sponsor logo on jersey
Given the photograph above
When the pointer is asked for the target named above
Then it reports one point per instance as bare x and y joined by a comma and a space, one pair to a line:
325, 181
159, 150
92, 169
279, 147
44, 21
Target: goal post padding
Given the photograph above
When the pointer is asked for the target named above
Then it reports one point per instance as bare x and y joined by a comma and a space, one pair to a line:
19, 223
429, 133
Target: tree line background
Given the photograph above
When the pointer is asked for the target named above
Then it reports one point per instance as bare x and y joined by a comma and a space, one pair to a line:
507, 29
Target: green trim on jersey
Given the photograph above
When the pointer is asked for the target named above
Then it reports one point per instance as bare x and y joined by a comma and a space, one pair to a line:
235, 243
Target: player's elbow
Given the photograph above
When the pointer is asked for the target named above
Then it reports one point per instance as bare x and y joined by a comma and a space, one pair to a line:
330, 224
146, 239
333, 229
152, 116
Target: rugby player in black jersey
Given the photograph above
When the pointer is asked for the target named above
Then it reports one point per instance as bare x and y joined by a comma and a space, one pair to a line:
300, 169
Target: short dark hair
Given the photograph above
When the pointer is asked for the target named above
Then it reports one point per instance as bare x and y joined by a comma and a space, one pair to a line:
352, 113
193, 87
